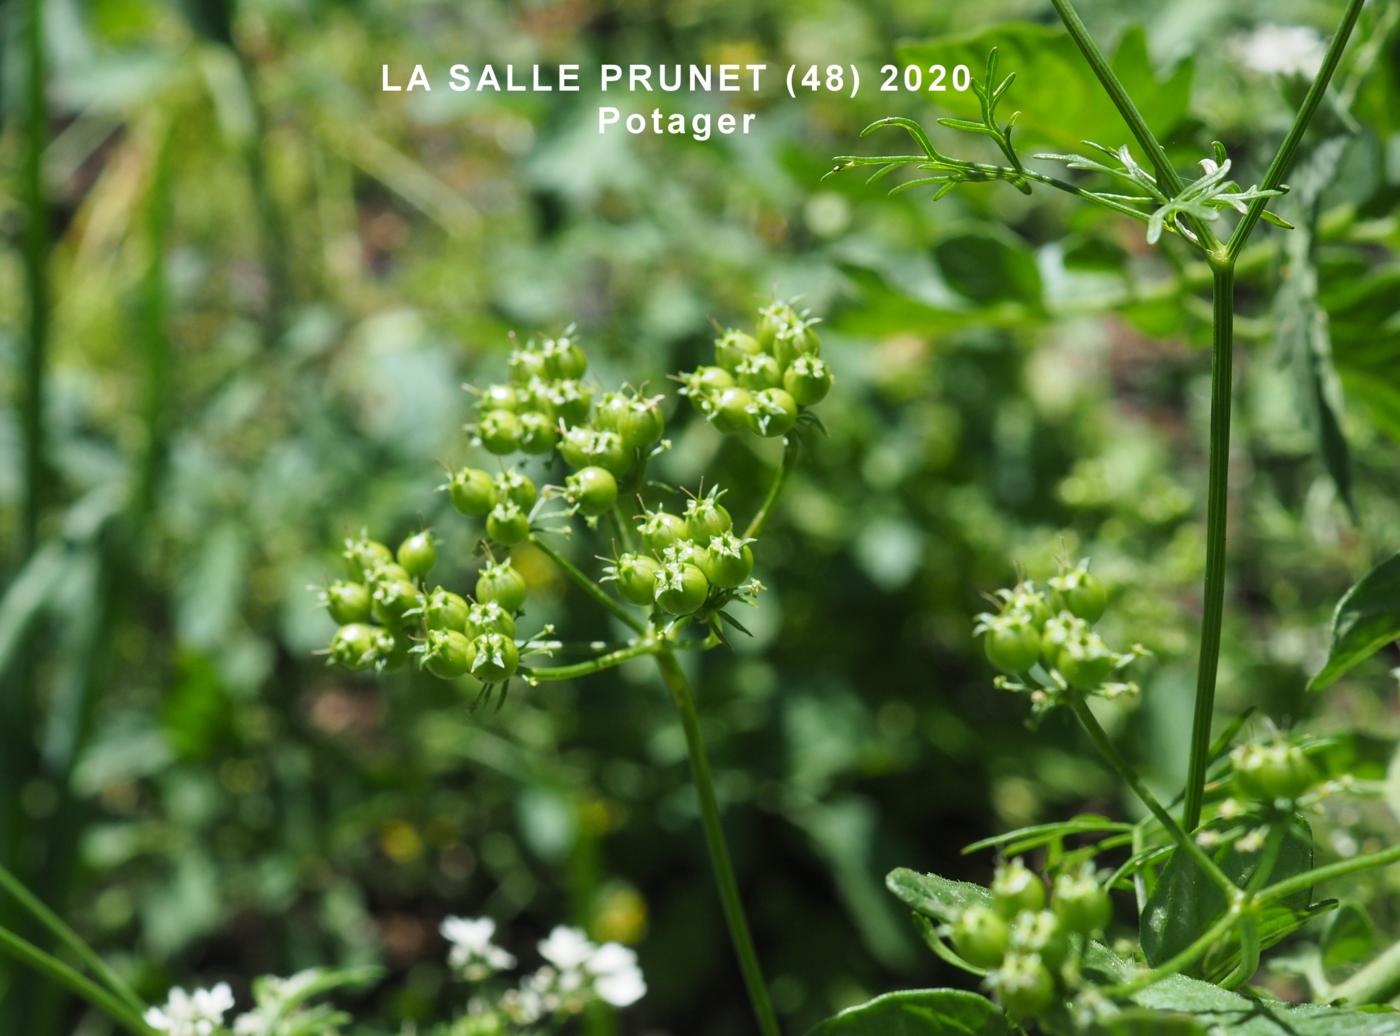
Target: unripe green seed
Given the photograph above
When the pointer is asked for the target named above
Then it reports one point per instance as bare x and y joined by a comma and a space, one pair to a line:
1016, 888
1081, 904
774, 412
981, 936
570, 401
1269, 772
1040, 932
495, 657
499, 397
445, 610
363, 555
680, 588
507, 524
514, 485
448, 653
417, 554
473, 492
538, 432
727, 561
705, 517
347, 602
1024, 985
1078, 592
635, 575
563, 358
593, 490
500, 431
526, 365
730, 410
760, 371
733, 347
392, 598
489, 617
352, 646
808, 380
661, 529
501, 583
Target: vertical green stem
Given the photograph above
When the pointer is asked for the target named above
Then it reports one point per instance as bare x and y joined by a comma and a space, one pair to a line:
734, 915
1217, 500
30, 955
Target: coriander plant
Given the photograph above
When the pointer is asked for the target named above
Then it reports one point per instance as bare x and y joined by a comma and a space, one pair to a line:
1226, 869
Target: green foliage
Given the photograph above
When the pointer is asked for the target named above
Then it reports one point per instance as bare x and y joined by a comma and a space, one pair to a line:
1367, 619
919, 1012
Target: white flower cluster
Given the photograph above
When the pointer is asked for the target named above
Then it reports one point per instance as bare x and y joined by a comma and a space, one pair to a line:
1281, 50
577, 972
200, 1013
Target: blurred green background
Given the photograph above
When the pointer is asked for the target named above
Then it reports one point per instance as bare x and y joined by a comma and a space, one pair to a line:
255, 282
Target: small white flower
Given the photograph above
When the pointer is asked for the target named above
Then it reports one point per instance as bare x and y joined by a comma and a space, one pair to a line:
192, 1014
568, 949
1281, 50
616, 977
473, 954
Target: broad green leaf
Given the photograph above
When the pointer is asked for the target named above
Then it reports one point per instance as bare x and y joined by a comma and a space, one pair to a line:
1219, 1010
1061, 102
919, 1012
935, 897
1367, 619
1143, 1022
988, 265
1186, 902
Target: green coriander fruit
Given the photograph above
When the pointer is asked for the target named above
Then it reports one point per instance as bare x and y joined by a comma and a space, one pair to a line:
495, 657
473, 492
576, 445
499, 431
488, 617
1269, 772
705, 517
570, 401
641, 424
563, 358
527, 364
515, 486
387, 572
352, 646
759, 372
981, 936
417, 554
680, 588
808, 380
773, 319
730, 410
501, 583
1024, 985
1016, 888
444, 610
1086, 662
347, 602
498, 397
391, 649
797, 339
391, 599
1012, 642
774, 412
728, 561
705, 381
1081, 904
507, 524
362, 555
447, 653
608, 451
660, 529
1078, 592
635, 575
733, 347
593, 490
1040, 932
538, 433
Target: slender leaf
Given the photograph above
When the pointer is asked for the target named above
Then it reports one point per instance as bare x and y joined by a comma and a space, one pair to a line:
1367, 619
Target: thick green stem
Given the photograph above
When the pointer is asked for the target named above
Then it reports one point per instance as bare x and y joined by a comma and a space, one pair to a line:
1283, 160
1217, 500
1340, 869
588, 586
1184, 841
733, 907
27, 953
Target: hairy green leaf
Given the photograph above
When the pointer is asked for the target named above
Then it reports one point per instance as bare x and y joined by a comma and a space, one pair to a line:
919, 1012
935, 897
1367, 619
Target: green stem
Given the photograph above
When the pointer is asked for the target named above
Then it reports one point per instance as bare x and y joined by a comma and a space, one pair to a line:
36, 258
9, 883
1377, 983
791, 450
624, 534
734, 915
588, 586
1340, 869
593, 665
1183, 840
27, 953
1283, 160
1217, 500
1176, 964
1167, 176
